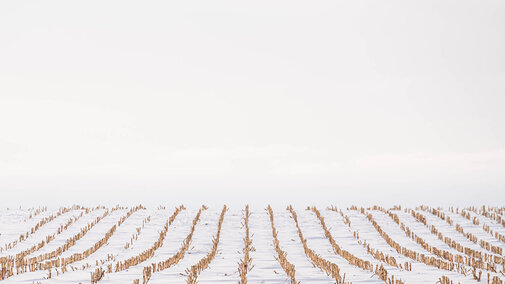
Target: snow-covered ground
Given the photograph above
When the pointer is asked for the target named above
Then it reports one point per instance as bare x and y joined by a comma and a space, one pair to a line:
109, 242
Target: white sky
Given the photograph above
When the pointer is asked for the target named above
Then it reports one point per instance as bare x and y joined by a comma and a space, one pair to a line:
258, 101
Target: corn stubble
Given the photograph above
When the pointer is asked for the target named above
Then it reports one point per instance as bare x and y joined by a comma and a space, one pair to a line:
484, 264
245, 265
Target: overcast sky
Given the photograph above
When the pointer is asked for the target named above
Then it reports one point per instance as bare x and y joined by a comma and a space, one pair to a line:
259, 101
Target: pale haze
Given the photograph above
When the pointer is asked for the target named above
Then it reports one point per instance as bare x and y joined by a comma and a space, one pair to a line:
279, 102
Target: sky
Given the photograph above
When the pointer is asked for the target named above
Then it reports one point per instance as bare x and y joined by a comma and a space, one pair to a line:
303, 102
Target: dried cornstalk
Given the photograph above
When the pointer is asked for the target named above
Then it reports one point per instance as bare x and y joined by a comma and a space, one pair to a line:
174, 259
474, 258
485, 258
39, 225
375, 253
23, 265
204, 262
428, 260
245, 264
288, 267
381, 272
143, 256
330, 268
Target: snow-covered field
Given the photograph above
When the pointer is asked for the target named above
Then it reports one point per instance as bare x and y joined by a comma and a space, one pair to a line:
207, 245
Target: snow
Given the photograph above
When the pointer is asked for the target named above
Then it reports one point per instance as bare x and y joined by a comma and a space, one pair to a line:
224, 267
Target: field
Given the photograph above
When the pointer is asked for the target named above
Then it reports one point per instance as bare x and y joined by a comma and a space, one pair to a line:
252, 245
